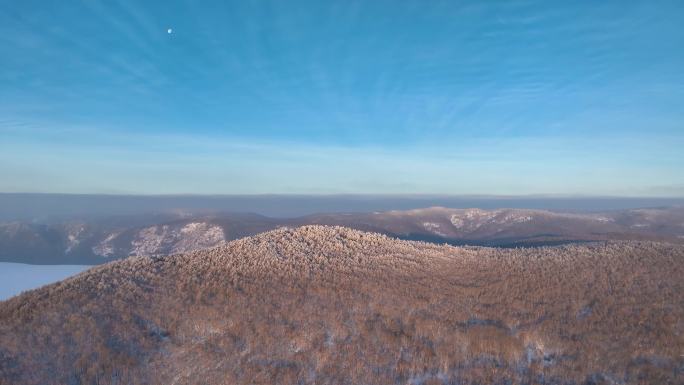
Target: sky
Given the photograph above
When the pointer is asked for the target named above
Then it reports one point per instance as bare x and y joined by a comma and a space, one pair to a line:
326, 97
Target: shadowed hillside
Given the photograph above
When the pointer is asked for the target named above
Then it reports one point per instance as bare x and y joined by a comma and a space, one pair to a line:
330, 305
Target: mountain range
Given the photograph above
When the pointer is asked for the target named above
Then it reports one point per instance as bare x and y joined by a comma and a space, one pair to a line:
96, 240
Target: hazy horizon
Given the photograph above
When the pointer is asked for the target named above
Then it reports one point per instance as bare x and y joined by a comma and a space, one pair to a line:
23, 206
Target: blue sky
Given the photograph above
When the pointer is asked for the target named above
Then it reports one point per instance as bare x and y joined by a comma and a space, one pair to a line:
451, 97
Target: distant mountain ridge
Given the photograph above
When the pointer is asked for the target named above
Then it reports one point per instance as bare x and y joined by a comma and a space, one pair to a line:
95, 241
63, 207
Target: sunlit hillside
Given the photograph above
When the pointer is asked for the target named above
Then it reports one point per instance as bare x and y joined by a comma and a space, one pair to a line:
330, 305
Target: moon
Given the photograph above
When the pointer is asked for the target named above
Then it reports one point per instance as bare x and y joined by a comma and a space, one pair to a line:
169, 31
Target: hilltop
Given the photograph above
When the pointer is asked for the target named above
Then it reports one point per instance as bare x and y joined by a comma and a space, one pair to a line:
331, 305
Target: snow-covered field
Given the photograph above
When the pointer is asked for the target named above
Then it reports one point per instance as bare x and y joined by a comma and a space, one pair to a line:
18, 277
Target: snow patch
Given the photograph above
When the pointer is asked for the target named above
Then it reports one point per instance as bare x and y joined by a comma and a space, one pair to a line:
434, 228
73, 238
480, 214
473, 219
167, 239
457, 222
514, 218
106, 247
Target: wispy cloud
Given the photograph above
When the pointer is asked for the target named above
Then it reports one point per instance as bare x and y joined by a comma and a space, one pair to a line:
443, 97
